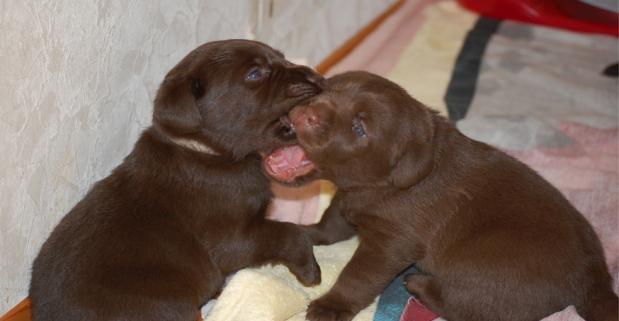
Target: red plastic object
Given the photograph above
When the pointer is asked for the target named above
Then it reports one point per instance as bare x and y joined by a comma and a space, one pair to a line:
567, 14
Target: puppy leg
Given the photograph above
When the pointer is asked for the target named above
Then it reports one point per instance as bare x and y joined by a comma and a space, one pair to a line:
367, 274
156, 296
285, 243
214, 281
426, 290
333, 227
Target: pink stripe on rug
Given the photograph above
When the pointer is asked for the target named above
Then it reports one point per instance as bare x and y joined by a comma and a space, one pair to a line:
415, 311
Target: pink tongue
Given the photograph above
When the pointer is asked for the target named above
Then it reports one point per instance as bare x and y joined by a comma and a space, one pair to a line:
288, 163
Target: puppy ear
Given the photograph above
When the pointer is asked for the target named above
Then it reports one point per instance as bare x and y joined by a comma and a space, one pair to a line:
175, 106
415, 158
414, 165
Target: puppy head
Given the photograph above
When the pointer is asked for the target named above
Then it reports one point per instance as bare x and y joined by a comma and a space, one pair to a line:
230, 96
366, 130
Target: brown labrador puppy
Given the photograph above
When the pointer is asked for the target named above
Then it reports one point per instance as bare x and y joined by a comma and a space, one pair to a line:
494, 239
155, 239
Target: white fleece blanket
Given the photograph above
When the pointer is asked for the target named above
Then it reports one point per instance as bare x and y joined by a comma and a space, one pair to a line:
272, 293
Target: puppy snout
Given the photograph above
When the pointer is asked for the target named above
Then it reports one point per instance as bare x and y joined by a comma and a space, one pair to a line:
311, 118
312, 76
304, 118
305, 81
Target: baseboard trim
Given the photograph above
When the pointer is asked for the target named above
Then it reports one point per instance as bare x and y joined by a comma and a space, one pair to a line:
20, 312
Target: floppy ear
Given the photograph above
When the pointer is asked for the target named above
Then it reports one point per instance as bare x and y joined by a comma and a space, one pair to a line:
175, 106
415, 164
415, 159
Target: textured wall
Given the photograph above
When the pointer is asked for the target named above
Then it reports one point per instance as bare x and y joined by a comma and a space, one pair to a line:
76, 83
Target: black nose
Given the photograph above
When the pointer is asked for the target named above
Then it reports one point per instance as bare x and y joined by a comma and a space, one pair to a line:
309, 75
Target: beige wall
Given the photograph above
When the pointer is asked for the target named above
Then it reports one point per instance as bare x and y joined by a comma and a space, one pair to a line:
76, 83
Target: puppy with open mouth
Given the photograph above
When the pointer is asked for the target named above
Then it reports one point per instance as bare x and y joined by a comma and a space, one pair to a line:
493, 239
156, 238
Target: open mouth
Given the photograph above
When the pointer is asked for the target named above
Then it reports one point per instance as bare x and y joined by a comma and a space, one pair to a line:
289, 162
285, 129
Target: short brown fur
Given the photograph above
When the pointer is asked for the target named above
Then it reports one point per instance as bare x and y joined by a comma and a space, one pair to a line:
494, 240
155, 239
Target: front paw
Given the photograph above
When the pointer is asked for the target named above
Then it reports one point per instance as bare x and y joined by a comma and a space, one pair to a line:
308, 272
325, 310
299, 258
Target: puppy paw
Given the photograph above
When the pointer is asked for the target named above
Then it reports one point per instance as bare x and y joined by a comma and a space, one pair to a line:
301, 261
307, 273
324, 310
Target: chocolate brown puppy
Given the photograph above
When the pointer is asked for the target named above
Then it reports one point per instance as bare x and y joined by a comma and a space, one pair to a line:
495, 240
155, 239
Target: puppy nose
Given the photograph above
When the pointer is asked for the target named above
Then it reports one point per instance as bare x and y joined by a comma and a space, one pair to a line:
311, 117
314, 77
310, 75
317, 80
305, 118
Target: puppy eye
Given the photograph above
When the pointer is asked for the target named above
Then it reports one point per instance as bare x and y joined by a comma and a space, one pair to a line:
358, 129
255, 74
